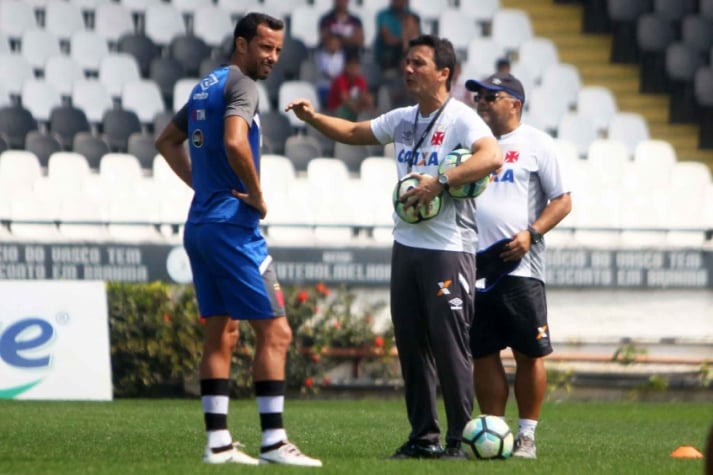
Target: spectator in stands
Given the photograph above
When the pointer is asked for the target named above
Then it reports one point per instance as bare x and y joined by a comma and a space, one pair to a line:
349, 96
527, 198
232, 271
502, 66
433, 262
345, 25
330, 63
396, 25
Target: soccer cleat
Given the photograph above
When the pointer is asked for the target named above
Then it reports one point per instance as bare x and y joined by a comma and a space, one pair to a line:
418, 450
287, 453
524, 447
233, 455
454, 453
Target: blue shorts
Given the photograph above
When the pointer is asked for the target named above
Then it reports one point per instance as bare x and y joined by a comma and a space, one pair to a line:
232, 272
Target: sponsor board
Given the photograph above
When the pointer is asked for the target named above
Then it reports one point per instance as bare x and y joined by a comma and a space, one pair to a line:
54, 340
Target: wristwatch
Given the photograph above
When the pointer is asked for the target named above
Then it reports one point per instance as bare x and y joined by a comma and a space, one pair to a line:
443, 180
536, 237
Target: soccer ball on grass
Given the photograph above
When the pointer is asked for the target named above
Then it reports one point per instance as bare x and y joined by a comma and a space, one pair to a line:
489, 437
411, 214
467, 190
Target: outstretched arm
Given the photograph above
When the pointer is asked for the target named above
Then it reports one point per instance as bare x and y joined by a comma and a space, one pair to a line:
345, 131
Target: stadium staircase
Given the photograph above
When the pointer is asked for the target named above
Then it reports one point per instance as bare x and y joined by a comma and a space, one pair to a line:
562, 23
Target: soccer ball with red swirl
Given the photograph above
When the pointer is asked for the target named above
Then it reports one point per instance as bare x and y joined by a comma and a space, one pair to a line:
489, 437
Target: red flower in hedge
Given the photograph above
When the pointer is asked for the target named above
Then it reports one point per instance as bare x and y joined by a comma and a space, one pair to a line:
316, 358
201, 320
326, 381
166, 318
322, 289
302, 297
309, 382
379, 341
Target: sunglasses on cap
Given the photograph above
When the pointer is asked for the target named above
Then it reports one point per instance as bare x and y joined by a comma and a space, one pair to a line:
489, 96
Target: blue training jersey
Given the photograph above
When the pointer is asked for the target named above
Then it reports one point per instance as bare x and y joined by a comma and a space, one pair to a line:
222, 93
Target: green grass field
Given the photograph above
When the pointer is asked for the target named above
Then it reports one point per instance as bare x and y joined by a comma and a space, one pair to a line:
166, 437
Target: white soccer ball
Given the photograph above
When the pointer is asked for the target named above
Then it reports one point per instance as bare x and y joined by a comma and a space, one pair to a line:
411, 214
489, 437
468, 190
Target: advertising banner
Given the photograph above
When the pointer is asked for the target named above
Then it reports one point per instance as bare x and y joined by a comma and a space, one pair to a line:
54, 340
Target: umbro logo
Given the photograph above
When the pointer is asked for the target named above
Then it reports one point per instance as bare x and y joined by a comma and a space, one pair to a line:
456, 304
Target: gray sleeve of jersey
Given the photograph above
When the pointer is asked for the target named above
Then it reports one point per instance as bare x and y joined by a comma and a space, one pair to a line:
241, 96
180, 119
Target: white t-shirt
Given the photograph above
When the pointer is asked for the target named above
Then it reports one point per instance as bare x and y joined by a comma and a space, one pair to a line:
458, 126
516, 196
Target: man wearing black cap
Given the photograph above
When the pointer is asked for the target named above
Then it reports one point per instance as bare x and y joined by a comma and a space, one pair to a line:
526, 198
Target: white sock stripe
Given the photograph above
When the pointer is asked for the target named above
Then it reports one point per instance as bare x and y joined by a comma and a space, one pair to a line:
270, 404
273, 436
215, 404
219, 438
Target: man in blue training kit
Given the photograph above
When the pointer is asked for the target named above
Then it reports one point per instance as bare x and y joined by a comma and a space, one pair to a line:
232, 270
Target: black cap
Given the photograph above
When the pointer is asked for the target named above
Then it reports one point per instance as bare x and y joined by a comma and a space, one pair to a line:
491, 267
498, 82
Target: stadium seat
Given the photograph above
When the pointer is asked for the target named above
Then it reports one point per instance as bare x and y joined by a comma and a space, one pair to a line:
654, 35
142, 146
91, 96
564, 78
276, 129
15, 69
681, 63
38, 46
144, 98
82, 218
281, 8
697, 32
19, 169
140, 47
163, 22
42, 145
181, 91
536, 55
212, 24
68, 170
116, 70
133, 216
351, 155
165, 72
511, 27
88, 48
623, 15
629, 128
703, 90
236, 8
16, 18
546, 107
62, 72
189, 51
294, 52
117, 126
598, 104
276, 176
481, 11
430, 11
112, 21
482, 53
674, 10
304, 25
91, 147
290, 90
119, 173
577, 129
15, 123
300, 149
63, 19
605, 155
457, 26
208, 65
40, 97
161, 121
38, 207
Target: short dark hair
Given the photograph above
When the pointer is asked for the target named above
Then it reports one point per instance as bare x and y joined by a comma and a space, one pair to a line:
444, 55
247, 26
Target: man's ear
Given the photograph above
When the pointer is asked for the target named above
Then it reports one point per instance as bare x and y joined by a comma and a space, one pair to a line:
241, 45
